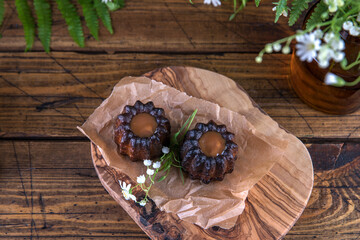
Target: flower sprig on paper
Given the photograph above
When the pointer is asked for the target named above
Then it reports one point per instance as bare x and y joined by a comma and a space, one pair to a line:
170, 158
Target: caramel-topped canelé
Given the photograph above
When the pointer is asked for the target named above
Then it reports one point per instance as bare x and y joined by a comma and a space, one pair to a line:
212, 144
143, 125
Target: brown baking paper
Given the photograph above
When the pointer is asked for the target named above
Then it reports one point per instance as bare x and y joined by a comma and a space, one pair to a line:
217, 203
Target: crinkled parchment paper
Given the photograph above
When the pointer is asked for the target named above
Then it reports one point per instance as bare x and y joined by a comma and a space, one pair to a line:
218, 203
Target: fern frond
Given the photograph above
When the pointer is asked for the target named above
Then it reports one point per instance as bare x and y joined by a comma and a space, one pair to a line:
257, 2
315, 17
298, 6
91, 18
27, 20
43, 14
103, 14
2, 11
72, 19
281, 6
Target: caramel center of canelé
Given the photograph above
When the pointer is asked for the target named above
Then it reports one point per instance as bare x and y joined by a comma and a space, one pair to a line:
143, 125
212, 144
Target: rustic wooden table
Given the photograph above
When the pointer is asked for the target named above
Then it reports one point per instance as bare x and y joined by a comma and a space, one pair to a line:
49, 188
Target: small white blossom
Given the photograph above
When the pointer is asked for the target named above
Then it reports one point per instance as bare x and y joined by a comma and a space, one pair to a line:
347, 25
334, 80
258, 59
335, 42
338, 56
284, 12
141, 179
142, 202
156, 165
126, 191
106, 1
286, 50
147, 162
307, 46
318, 33
334, 4
268, 48
277, 47
355, 31
215, 3
165, 150
324, 56
150, 172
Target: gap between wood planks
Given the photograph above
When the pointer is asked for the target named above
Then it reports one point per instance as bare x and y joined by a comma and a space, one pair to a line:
85, 139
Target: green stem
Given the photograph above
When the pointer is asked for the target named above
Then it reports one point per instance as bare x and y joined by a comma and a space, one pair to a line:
352, 64
353, 83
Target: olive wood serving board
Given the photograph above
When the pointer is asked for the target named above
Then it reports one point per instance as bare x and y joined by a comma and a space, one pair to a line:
273, 205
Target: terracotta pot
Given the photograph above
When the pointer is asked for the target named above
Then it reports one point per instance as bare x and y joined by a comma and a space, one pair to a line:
307, 80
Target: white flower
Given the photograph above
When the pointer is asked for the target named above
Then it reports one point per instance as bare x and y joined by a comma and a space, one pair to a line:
165, 150
334, 41
126, 191
354, 31
347, 25
268, 48
338, 56
318, 33
106, 1
147, 162
286, 50
334, 4
334, 80
324, 56
284, 12
142, 202
215, 3
156, 165
277, 47
329, 37
141, 179
150, 172
307, 46
258, 59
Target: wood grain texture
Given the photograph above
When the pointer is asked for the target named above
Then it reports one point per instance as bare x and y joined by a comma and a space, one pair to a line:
172, 26
49, 95
67, 200
273, 204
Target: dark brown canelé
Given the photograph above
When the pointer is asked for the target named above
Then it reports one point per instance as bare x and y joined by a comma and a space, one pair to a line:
208, 152
141, 131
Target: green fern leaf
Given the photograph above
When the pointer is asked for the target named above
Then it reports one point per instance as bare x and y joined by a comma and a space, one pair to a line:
298, 6
315, 17
73, 21
103, 13
2, 11
43, 13
27, 20
257, 2
91, 18
281, 6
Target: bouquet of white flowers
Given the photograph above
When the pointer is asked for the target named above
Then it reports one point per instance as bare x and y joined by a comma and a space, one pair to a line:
321, 39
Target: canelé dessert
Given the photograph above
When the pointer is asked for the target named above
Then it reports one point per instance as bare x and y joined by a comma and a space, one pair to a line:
208, 152
141, 131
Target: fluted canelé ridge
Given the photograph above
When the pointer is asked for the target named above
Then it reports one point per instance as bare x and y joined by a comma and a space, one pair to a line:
208, 166
142, 146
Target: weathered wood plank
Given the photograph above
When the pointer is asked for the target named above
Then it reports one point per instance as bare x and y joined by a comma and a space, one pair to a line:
49, 95
57, 194
163, 26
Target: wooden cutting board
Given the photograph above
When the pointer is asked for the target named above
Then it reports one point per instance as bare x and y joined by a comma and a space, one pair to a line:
274, 204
